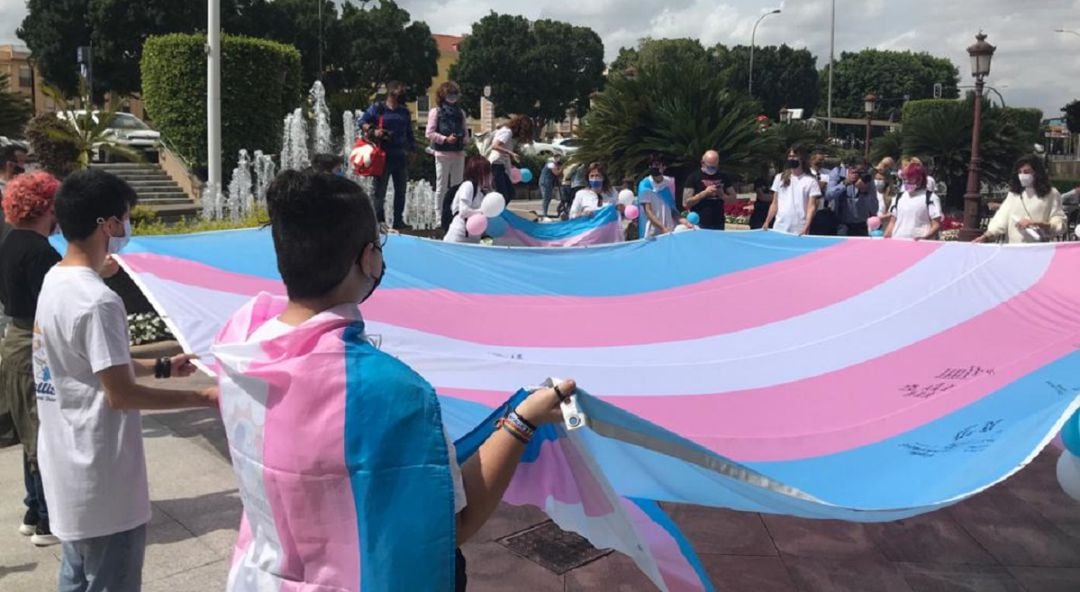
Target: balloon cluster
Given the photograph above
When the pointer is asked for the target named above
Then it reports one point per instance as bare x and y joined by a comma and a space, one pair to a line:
488, 220
626, 200
520, 176
1068, 467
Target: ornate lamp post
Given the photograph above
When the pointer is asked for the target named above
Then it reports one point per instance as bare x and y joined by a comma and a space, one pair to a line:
753, 35
869, 102
980, 53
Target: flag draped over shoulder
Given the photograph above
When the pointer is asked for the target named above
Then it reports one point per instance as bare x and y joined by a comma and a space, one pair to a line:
821, 377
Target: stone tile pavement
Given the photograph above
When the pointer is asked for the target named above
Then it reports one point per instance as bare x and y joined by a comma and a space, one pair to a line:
1022, 536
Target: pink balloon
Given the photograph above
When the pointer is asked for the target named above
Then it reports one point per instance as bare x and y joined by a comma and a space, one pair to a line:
873, 223
515, 175
476, 224
631, 212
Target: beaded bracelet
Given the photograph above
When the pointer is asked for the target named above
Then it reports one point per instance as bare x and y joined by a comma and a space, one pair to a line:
509, 427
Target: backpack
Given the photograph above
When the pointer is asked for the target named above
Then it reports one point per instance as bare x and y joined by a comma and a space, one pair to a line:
929, 201
483, 143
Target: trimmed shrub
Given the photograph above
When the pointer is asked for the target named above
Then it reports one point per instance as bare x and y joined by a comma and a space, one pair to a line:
56, 155
260, 83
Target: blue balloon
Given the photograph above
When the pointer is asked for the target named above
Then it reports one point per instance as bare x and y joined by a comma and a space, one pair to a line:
1070, 434
693, 218
496, 227
526, 176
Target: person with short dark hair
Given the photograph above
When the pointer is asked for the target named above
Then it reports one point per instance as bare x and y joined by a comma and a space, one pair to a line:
90, 442
854, 200
377, 495
326, 163
446, 133
389, 122
25, 257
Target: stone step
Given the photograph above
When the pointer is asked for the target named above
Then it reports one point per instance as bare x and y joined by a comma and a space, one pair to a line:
174, 195
152, 185
153, 202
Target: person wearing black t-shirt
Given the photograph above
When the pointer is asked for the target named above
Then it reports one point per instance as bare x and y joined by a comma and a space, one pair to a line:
25, 257
706, 191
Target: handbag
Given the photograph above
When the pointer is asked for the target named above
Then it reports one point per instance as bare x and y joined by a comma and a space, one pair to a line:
368, 157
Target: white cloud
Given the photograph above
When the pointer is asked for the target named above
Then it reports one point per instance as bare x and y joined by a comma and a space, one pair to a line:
1033, 66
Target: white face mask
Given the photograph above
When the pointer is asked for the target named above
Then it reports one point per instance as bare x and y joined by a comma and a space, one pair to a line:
1026, 180
117, 243
879, 184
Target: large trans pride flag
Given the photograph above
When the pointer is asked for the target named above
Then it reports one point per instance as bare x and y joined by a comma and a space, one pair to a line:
820, 377
603, 227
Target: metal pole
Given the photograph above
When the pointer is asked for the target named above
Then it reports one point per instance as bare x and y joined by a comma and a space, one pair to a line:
753, 35
213, 97
972, 197
869, 121
832, 52
320, 39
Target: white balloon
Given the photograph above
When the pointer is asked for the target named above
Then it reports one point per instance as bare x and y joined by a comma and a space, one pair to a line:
680, 229
1068, 474
626, 197
1077, 232
493, 204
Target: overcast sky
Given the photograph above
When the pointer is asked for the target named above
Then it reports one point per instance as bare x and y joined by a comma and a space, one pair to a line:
1033, 67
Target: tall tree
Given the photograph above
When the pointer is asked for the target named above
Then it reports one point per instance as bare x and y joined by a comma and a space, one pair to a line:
541, 69
15, 110
891, 76
1072, 116
293, 22
383, 43
652, 53
783, 76
53, 30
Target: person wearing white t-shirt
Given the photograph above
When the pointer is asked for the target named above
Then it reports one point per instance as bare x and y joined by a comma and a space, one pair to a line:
599, 194
507, 138
916, 214
468, 198
90, 441
795, 196
656, 194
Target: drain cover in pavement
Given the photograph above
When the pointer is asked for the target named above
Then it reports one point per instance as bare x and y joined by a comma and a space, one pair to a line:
553, 548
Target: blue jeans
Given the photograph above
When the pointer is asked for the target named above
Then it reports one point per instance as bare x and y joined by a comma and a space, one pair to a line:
35, 492
112, 563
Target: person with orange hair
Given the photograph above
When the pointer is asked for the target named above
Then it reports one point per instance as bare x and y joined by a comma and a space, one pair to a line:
25, 257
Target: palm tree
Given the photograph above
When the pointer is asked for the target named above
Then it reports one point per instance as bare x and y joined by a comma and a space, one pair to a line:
797, 134
86, 128
944, 137
653, 110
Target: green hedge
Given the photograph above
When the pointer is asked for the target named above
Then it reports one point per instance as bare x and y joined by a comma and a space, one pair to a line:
1065, 185
1027, 120
260, 83
918, 109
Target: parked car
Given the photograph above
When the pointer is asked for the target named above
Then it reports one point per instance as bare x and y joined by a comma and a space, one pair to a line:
543, 149
569, 145
124, 129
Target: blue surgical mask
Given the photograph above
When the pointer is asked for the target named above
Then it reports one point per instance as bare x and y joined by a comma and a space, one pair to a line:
710, 170
596, 183
452, 99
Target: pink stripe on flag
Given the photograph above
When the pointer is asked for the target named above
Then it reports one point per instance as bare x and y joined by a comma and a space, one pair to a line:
565, 478
200, 275
746, 427
601, 235
678, 574
307, 484
755, 297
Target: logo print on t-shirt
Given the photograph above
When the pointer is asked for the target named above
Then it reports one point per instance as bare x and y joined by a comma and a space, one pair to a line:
43, 382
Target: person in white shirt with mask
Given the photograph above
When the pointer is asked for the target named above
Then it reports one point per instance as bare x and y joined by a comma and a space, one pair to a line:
599, 193
467, 199
1032, 211
916, 214
795, 196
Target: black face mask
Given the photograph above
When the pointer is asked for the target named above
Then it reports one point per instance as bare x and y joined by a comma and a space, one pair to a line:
793, 163
655, 172
375, 286
17, 170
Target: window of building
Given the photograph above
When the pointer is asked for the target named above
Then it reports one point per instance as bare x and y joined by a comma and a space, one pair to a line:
26, 77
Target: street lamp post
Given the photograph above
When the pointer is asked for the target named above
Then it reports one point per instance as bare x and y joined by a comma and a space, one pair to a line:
868, 104
980, 53
753, 36
1068, 31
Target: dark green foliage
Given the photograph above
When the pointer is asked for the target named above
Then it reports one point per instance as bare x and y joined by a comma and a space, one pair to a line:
890, 75
1072, 116
53, 30
56, 153
656, 112
783, 76
941, 134
891, 144
260, 84
15, 110
798, 134
539, 69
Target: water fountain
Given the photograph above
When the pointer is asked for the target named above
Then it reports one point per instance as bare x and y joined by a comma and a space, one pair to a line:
241, 201
323, 142
265, 171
